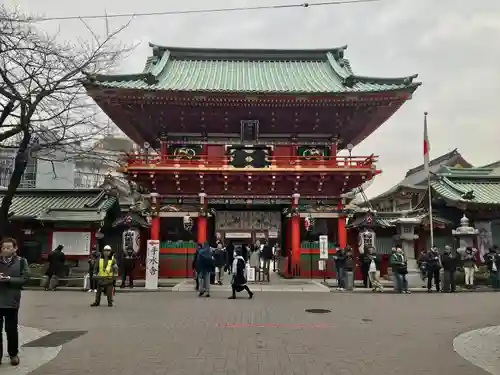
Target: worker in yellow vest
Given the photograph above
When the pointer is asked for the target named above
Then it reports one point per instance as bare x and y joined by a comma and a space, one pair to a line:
105, 273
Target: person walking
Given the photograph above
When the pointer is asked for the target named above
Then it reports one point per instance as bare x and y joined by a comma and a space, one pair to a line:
399, 266
450, 264
204, 267
93, 259
374, 270
14, 272
55, 270
340, 258
266, 255
239, 280
220, 261
127, 266
106, 271
433, 269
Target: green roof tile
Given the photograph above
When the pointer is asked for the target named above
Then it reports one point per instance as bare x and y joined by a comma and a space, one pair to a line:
468, 185
60, 205
250, 71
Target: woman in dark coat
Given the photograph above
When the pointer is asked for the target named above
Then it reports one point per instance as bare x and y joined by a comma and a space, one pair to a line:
239, 281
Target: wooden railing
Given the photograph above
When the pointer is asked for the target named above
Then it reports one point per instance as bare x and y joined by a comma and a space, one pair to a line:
205, 161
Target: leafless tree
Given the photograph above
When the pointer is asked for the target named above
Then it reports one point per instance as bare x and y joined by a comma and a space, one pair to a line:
42, 103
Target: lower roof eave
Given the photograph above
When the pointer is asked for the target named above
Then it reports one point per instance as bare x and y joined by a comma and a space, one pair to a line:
97, 91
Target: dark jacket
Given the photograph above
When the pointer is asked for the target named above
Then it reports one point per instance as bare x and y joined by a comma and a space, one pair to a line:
364, 262
10, 290
220, 257
433, 261
239, 277
230, 254
491, 258
267, 252
450, 262
350, 262
422, 261
94, 257
204, 260
339, 259
56, 260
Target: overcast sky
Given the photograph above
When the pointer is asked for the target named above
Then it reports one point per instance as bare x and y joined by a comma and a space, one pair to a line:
454, 45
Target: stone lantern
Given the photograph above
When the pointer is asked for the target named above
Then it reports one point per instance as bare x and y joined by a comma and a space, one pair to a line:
465, 234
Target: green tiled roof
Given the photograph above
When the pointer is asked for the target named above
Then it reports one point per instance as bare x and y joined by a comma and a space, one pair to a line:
468, 185
60, 205
250, 71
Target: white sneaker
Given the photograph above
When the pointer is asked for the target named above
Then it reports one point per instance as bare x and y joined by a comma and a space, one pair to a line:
89, 291
341, 289
95, 290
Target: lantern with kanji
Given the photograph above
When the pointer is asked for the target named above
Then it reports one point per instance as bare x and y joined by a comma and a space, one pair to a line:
188, 223
309, 223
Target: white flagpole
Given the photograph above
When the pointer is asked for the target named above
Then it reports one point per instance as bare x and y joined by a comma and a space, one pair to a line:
426, 161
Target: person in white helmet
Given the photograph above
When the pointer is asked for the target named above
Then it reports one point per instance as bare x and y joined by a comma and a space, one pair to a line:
106, 272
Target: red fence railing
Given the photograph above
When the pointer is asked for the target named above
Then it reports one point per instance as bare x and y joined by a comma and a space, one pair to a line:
205, 161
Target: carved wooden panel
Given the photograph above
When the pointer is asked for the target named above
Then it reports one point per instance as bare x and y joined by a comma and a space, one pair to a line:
247, 221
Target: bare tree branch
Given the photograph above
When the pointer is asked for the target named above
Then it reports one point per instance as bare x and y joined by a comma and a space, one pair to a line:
43, 106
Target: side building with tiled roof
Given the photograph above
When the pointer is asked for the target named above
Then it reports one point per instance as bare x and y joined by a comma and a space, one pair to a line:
42, 219
473, 191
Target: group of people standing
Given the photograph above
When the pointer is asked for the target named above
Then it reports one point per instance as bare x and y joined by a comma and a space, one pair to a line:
210, 265
369, 262
431, 263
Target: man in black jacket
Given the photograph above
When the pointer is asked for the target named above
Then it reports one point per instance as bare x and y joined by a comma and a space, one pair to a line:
433, 268
492, 260
364, 264
450, 264
13, 275
220, 262
55, 270
340, 258
267, 255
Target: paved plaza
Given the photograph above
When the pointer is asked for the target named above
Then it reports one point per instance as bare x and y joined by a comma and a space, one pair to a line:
178, 333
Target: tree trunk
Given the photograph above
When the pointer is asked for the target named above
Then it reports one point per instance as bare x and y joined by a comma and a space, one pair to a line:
20, 163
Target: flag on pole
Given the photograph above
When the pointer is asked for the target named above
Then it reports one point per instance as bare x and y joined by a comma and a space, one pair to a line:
427, 145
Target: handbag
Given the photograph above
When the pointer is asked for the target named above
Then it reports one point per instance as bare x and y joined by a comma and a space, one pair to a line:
86, 282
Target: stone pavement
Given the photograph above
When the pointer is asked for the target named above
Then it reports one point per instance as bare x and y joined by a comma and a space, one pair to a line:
179, 333
481, 347
275, 286
31, 358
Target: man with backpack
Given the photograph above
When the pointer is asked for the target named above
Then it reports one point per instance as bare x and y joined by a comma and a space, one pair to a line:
13, 275
204, 267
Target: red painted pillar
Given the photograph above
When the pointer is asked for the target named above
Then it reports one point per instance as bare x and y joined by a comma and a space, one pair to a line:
155, 228
202, 220
155, 219
295, 236
342, 231
202, 229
